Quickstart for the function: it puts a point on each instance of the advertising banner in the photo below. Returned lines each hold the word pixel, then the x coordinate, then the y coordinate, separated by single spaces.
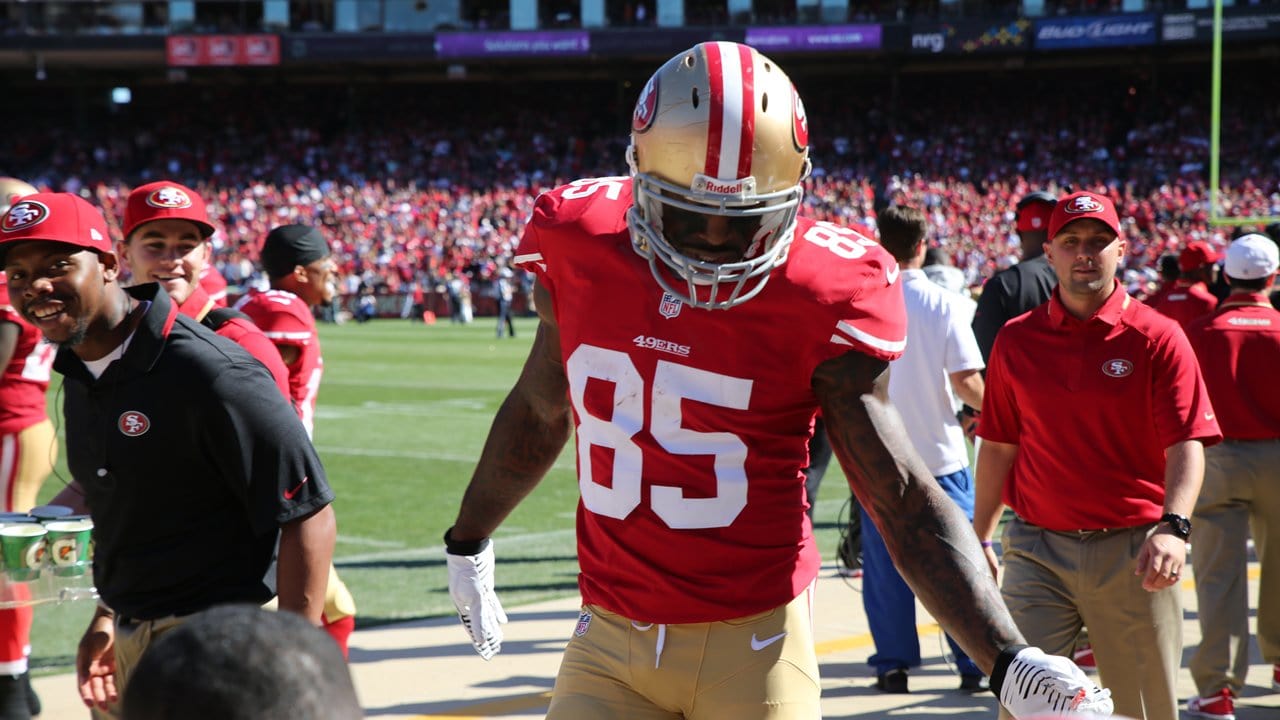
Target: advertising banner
pixel 970 37
pixel 814 38
pixel 1186 27
pixel 222 50
pixel 513 44
pixel 1096 31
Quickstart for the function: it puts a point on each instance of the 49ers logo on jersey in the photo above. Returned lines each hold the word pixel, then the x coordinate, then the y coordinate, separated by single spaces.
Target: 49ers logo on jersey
pixel 169 198
pixel 133 423
pixel 23 215
pixel 1117 368
pixel 646 106
pixel 800 121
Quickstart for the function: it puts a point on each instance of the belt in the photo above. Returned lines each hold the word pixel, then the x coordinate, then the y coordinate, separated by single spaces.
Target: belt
pixel 129 622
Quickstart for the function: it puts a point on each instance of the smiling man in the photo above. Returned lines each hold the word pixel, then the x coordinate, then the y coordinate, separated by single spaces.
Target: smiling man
pixel 1094 424
pixel 196 473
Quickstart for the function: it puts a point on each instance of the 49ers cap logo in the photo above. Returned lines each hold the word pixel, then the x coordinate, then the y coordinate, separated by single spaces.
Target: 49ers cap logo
pixel 1083 204
pixel 646 106
pixel 1117 368
pixel 133 423
pixel 24 214
pixel 169 198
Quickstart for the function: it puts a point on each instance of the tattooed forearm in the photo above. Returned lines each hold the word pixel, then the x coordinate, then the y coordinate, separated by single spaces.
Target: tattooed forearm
pixel 930 540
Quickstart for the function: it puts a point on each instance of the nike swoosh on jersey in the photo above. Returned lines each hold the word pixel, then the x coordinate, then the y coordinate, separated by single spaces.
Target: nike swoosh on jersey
pixel 892 274
pixel 288 494
pixel 758 645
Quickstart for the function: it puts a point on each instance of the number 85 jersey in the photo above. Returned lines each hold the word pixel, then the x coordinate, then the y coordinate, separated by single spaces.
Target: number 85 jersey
pixel 693 425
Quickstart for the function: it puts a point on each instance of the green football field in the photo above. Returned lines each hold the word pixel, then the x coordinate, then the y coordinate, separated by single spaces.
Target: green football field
pixel 403 412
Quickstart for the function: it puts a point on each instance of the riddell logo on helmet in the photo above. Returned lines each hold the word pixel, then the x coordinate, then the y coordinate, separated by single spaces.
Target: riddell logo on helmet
pixel 24 215
pixel 169 198
pixel 1084 204
pixel 743 187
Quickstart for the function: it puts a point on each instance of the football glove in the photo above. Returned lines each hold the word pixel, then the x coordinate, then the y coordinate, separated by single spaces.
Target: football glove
pixel 471 587
pixel 1030 682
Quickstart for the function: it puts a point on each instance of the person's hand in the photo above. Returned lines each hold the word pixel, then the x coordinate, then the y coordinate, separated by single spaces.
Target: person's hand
pixel 993 562
pixel 471 587
pixel 96 662
pixel 1031 683
pixel 968 418
pixel 1161 560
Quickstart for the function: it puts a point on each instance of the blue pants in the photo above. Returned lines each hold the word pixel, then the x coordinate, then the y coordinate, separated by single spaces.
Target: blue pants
pixel 888 601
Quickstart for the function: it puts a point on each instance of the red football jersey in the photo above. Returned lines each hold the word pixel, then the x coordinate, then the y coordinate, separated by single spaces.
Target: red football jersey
pixel 693 425
pixel 213 283
pixel 286 320
pixel 243 333
pixel 26 377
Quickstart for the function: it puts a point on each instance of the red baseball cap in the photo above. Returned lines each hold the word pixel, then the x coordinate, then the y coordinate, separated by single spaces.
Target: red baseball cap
pixel 1196 255
pixel 165 200
pixel 55 217
pixel 1080 206
pixel 1034 210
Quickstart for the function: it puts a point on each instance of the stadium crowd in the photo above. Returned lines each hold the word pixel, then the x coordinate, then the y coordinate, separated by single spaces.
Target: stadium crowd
pixel 421 187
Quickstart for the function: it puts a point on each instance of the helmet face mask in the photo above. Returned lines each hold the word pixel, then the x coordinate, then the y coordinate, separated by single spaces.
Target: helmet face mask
pixel 718 132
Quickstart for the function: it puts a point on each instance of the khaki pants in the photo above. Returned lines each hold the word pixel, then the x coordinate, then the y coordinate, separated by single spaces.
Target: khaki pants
pixel 1055 582
pixel 131 640
pixel 1241 490
pixel 760 667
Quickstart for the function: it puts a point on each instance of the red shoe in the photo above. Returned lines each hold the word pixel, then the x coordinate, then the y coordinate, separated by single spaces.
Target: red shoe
pixel 1084 657
pixel 1215 707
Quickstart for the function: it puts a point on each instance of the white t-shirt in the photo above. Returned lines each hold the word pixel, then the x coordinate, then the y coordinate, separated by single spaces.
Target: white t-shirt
pixel 940 341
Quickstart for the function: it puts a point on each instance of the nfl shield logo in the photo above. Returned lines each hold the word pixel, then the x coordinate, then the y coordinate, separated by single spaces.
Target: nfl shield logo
pixel 670 305
pixel 584 624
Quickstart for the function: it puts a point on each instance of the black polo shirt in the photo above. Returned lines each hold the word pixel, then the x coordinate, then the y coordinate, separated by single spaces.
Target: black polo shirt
pixel 191 460
pixel 1008 294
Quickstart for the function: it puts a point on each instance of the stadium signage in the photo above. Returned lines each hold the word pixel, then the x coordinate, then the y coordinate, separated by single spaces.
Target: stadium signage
pixel 222 50
pixel 1089 32
pixel 1198 26
pixel 970 37
pixel 512 44
pixel 815 38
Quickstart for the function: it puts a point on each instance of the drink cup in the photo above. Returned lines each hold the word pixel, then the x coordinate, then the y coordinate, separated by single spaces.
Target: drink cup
pixel 68 542
pixel 23 546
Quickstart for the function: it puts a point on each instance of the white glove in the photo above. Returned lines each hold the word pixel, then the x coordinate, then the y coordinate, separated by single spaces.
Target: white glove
pixel 471 587
pixel 1035 683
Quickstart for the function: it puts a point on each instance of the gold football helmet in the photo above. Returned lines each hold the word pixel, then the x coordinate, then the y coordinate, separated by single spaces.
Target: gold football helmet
pixel 11 188
pixel 718 130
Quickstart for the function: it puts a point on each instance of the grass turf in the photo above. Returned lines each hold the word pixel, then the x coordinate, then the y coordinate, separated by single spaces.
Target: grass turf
pixel 403 413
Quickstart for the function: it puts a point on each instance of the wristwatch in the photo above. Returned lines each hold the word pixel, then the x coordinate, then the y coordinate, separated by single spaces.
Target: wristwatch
pixel 1179 524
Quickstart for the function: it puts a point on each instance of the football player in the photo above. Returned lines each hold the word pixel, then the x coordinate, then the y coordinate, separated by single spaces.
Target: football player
pixel 28 449
pixel 692 326
pixel 298 261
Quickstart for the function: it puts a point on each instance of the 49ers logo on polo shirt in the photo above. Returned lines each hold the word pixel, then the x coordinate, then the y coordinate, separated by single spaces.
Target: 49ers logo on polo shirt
pixel 169 198
pixel 1117 368
pixel 23 215
pixel 133 423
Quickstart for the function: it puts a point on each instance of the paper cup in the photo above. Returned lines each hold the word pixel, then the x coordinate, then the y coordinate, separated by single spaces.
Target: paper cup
pixel 23 546
pixel 68 542
pixel 46 513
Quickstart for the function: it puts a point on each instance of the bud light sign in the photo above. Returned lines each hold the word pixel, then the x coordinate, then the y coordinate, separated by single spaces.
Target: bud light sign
pixel 1091 32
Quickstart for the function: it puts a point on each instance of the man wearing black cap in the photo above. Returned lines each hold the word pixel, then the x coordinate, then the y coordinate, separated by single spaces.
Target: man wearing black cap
pixel 1015 290
pixel 193 467
pixel 301 269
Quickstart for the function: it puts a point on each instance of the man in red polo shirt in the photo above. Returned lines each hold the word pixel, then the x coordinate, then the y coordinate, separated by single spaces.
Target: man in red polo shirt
pixel 1189 298
pixel 1239 350
pixel 1093 428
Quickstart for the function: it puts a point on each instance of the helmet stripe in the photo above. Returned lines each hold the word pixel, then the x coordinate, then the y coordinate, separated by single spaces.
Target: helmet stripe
pixel 732 122
pixel 747 136
pixel 715 111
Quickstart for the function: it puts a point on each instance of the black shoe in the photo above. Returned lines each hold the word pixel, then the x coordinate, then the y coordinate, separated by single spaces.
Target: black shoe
pixel 974 683
pixel 33 700
pixel 13 698
pixel 893 681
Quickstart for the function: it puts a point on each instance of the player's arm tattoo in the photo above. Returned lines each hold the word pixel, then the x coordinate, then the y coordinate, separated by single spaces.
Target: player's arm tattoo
pixel 529 431
pixel 929 538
